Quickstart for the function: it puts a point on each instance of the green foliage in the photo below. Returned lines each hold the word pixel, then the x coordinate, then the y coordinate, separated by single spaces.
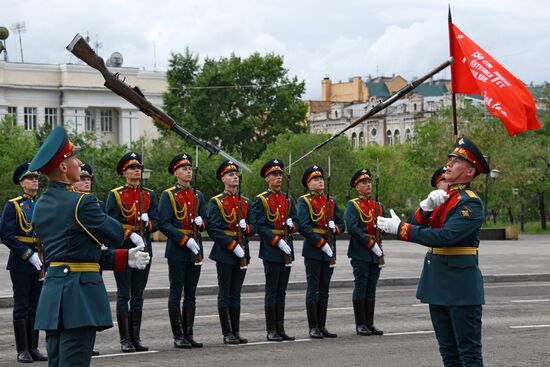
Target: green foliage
pixel 242 104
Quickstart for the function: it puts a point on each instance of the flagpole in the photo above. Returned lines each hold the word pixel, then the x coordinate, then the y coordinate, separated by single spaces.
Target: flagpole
pixel 453 94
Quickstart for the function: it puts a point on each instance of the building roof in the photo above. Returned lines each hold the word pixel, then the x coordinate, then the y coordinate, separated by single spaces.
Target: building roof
pixel 428 90
pixel 377 89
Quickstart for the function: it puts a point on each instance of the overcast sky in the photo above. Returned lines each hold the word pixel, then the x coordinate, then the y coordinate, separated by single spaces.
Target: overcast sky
pixel 339 39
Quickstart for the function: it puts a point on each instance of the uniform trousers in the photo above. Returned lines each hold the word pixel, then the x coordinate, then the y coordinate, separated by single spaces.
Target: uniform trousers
pixel 130 287
pixel 365 276
pixel 230 282
pixel 184 277
pixel 318 274
pixel 276 281
pixel 26 291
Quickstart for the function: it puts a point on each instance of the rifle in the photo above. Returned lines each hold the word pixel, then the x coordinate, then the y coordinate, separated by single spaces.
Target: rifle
pixel 196 203
pixel 240 235
pixel 377 237
pixel 383 104
pixel 329 217
pixel 40 253
pixel 81 49
pixel 287 236
pixel 142 230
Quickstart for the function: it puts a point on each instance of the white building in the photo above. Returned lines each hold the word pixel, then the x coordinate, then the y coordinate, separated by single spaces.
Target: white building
pixel 74 95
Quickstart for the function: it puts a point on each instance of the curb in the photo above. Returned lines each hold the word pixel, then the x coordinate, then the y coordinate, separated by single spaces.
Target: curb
pixel 345 283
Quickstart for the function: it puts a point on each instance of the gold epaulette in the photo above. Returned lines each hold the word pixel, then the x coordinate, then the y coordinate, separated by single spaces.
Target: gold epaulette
pixel 15 199
pixel 471 194
pixel 170 189
pixel 217 196
pixel 261 194
pixel 354 200
pixel 305 196
pixel 117 188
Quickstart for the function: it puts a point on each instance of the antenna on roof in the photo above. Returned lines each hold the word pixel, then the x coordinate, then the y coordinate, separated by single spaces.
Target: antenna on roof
pixel 19 28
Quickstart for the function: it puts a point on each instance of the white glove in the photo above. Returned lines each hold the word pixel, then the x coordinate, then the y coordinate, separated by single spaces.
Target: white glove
pixel 137 258
pixel 332 226
pixel 389 225
pixel 284 246
pixel 35 261
pixel 144 218
pixel 376 249
pixel 434 199
pixel 193 246
pixel 327 250
pixel 289 222
pixel 198 221
pixel 242 224
pixel 238 251
pixel 137 240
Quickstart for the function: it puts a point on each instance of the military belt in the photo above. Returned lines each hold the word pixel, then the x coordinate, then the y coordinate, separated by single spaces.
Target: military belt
pixel 78 267
pixel 320 230
pixel 131 227
pixel 452 251
pixel 278 231
pixel 185 231
pixel 27 239
pixel 230 233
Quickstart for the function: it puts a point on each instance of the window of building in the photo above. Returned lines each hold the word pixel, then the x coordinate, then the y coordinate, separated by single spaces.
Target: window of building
pixel 12 112
pixel 408 136
pixel 51 116
pixel 336 114
pixel 373 132
pixel 353 140
pixel 90 120
pixel 29 117
pixel 389 138
pixel 106 120
pixel 361 139
pixel 396 137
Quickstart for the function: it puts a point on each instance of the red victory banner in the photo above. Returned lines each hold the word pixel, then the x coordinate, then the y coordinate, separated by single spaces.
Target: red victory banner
pixel 476 72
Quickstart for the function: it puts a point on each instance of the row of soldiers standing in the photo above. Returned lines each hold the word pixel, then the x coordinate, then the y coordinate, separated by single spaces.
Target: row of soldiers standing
pixel 229 220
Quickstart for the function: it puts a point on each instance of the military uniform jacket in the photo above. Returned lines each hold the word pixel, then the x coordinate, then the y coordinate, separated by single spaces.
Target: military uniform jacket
pixel 73 228
pixel 449 280
pixel 269 215
pixel 360 215
pixel 313 224
pixel 222 219
pixel 18 234
pixel 176 208
pixel 123 204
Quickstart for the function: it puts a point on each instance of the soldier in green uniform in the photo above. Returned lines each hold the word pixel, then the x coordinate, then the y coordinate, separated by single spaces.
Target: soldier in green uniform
pixel 272 211
pixel 24 263
pixel 73 304
pixel 451 282
pixel 363 251
pixel 179 219
pixel 228 217
pixel 136 208
pixel 315 220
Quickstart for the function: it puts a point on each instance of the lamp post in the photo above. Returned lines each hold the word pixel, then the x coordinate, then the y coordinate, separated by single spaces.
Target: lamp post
pixel 493 174
pixel 146 175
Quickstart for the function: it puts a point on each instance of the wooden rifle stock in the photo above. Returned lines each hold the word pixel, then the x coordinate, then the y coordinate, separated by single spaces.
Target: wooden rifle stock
pixel 40 253
pixel 377 237
pixel 243 264
pixel 330 237
pixel 286 231
pixel 196 203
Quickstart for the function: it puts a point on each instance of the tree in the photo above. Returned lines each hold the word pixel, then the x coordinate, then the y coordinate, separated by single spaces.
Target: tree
pixel 242 104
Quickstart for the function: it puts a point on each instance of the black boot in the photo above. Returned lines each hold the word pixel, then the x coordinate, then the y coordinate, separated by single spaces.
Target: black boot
pixel 228 337
pixel 125 345
pixel 188 313
pixel 32 339
pixel 280 311
pixel 322 317
pixel 359 312
pixel 177 330
pixel 369 316
pixel 95 353
pixel 135 329
pixel 311 310
pixel 235 313
pixel 270 324
pixel 20 332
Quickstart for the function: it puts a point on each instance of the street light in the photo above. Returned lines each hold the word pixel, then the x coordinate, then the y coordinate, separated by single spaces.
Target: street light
pixel 146 175
pixel 493 174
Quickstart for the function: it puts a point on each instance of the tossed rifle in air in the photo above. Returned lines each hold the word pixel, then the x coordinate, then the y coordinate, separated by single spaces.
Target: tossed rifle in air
pixel 377 237
pixel 196 204
pixel 328 217
pixel 287 235
pixel 382 105
pixel 81 49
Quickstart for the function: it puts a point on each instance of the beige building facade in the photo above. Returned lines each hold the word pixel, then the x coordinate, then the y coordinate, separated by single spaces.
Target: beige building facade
pixel 73 95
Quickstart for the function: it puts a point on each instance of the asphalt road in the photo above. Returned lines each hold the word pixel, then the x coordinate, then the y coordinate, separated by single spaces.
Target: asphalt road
pixel 516 329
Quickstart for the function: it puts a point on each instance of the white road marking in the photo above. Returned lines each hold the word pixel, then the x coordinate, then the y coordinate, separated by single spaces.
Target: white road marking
pixel 410 332
pixel 529 326
pixel 340 308
pixel 419 304
pixel 124 354
pixel 266 342
pixel 530 300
